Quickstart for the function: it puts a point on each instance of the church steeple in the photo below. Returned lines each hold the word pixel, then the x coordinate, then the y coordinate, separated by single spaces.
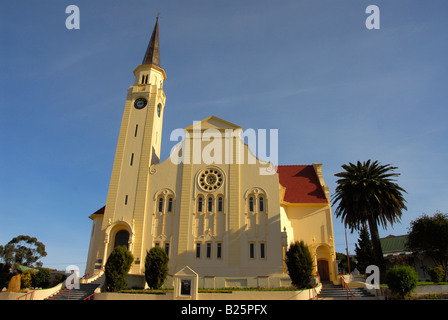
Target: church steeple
pixel 152 55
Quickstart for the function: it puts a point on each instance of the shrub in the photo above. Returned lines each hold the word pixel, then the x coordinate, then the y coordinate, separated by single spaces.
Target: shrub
pixel 41 278
pixel 300 264
pixel 26 279
pixel 156 267
pixel 401 280
pixel 117 267
pixel 437 274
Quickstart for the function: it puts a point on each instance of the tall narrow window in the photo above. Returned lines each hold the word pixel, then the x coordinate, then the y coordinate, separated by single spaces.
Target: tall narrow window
pixel 170 204
pixel 219 250
pixel 252 250
pixel 136 130
pixel 132 159
pixel 126 200
pixel 198 250
pixel 200 204
pixel 209 250
pixel 261 204
pixel 210 204
pixel 220 204
pixel 251 204
pixel 167 249
pixel 262 250
pixel 160 206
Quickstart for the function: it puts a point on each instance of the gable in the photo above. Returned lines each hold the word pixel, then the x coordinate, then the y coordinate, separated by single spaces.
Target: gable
pixel 186 271
pixel 213 122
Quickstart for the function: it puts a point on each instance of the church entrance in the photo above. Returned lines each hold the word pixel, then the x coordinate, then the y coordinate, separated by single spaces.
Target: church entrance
pixel 122 239
pixel 322 269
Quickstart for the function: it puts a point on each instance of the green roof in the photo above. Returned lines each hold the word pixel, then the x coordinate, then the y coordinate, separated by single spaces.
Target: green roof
pixel 394 244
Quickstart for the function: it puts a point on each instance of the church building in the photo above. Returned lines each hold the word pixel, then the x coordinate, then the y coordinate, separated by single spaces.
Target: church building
pixel 230 218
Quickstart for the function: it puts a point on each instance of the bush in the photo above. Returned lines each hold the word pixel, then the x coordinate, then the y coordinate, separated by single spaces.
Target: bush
pixel 117 267
pixel 300 264
pixel 26 279
pixel 156 267
pixel 401 280
pixel 437 274
pixel 41 278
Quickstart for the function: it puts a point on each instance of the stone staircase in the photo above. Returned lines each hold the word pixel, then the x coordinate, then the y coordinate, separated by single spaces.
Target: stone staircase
pixel 85 290
pixel 333 292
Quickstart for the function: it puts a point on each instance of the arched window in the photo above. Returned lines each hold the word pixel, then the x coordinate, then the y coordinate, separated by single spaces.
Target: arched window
pixel 251 204
pixel 160 205
pixel 122 239
pixel 200 200
pixel 170 205
pixel 210 204
pixel 220 204
pixel 261 204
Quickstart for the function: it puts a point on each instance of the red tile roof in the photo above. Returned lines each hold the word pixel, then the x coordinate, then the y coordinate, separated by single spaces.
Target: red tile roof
pixel 301 183
pixel 100 211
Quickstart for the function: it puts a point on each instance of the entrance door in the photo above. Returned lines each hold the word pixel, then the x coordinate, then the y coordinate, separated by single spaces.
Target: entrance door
pixel 122 239
pixel 322 268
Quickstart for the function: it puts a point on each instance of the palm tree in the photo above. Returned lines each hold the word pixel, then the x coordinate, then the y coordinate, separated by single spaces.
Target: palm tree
pixel 366 192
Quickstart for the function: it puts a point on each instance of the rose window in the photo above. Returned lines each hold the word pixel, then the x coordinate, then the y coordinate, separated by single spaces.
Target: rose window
pixel 210 179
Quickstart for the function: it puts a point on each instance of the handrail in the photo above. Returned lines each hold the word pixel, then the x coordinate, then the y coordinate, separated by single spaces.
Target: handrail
pixel 346 287
pixel 69 288
pixel 315 293
pixel 79 281
pixel 26 294
pixel 87 276
pixel 89 297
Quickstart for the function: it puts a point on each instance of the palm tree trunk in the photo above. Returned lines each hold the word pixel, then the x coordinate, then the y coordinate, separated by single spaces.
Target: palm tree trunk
pixel 378 252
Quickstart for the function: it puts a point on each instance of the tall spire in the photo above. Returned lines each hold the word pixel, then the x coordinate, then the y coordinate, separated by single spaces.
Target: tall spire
pixel 152 55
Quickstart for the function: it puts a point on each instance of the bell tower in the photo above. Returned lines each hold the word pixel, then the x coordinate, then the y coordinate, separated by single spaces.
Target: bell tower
pixel 138 147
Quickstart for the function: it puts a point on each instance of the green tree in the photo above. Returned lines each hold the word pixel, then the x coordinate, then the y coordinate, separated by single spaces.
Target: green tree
pixel 41 278
pixel 300 264
pixel 401 280
pixel 364 251
pixel 24 250
pixel 429 236
pixel 366 192
pixel 117 268
pixel 343 263
pixel 156 267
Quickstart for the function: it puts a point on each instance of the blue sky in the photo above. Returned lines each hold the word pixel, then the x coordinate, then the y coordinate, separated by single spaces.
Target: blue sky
pixel 336 91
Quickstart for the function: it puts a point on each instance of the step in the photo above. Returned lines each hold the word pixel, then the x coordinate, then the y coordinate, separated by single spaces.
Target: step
pixel 83 292
pixel 333 291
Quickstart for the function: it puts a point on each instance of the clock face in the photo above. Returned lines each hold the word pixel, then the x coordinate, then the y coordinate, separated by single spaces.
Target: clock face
pixel 140 103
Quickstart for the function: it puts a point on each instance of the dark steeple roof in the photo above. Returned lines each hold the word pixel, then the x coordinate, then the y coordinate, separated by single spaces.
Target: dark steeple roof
pixel 152 55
